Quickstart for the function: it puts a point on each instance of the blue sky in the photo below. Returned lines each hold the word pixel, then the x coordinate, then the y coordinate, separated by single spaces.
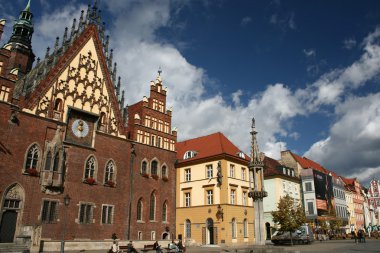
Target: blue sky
pixel 307 70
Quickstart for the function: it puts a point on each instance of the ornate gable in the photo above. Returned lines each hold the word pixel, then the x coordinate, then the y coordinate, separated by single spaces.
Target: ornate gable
pixel 80 80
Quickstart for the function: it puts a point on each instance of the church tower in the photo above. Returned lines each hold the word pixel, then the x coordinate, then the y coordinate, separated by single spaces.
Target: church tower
pixel 20 44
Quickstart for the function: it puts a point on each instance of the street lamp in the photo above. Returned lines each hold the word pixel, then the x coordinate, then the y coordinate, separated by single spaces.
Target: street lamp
pixel 66 201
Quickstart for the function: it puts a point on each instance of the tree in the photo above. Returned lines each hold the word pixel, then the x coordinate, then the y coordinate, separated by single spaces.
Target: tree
pixel 289 215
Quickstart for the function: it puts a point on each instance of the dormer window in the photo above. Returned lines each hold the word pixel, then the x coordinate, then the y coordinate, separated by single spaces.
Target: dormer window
pixel 189 154
pixel 241 154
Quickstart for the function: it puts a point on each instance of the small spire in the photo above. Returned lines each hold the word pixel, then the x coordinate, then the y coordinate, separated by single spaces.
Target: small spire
pixel 256 158
pixel 159 71
pixel 88 14
pixel 102 32
pixel 56 44
pixel 81 20
pixel 110 59
pixel 47 52
pixel 27 8
pixel 73 28
pixel 118 87
pixel 64 36
pixel 106 45
pixel 122 99
pixel 114 73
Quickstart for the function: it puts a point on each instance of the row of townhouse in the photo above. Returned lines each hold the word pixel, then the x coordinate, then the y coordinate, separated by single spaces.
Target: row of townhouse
pixel 323 194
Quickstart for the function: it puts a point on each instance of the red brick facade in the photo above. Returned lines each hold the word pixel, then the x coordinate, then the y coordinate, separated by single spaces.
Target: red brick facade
pixel 97 209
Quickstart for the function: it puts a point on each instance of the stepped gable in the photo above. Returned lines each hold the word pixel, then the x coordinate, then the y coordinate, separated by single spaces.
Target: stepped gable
pixel 81 68
pixel 208 146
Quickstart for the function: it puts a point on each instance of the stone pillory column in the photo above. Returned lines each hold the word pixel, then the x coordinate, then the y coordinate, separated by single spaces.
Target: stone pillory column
pixel 257 192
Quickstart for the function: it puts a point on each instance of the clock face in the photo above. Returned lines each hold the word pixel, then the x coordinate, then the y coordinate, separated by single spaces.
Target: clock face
pixel 80 128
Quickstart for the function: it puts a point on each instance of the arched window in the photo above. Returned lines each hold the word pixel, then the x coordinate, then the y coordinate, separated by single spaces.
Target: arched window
pixel 90 168
pixel 188 228
pixel 56 162
pixel 152 208
pixel 245 224
pixel 153 169
pixel 48 161
pixel 233 228
pixel 139 210
pixel 32 157
pixel 164 171
pixel 110 172
pixel 164 212
pixel 144 167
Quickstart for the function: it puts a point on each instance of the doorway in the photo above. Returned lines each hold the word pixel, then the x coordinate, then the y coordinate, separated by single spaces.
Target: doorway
pixel 10 212
pixel 8 226
pixel 210 231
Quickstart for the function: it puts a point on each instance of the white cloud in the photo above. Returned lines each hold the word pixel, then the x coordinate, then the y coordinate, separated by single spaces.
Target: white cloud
pixel 353 144
pixel 349 43
pixel 245 21
pixel 309 52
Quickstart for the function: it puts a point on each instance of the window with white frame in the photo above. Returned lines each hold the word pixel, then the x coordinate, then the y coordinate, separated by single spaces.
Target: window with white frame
pixel 308 186
pixel 85 213
pixel 232 170
pixel 187 228
pixel 153 235
pixel 244 198
pixel 233 228
pixel 243 176
pixel 233 193
pixel 139 210
pixel 209 171
pixel 49 211
pixel 187 199
pixel 245 228
pixel 210 198
pixel 90 168
pixel 32 157
pixel 107 214
pixel 187 175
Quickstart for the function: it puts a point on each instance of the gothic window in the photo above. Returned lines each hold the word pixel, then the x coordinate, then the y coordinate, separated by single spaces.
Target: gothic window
pixel 164 171
pixel 152 208
pixel 233 228
pixel 144 165
pixel 139 210
pixel 32 157
pixel 90 168
pixel 56 162
pixel 107 214
pixel 153 169
pixel 164 212
pixel 188 228
pixel 85 213
pixel 49 211
pixel 110 173
pixel 48 161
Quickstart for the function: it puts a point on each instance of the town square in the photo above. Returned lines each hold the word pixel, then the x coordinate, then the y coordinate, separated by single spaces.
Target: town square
pixel 125 126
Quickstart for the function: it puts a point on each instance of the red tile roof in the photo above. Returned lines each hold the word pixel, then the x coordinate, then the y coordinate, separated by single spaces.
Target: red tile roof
pixel 208 146
pixel 270 167
pixel 307 163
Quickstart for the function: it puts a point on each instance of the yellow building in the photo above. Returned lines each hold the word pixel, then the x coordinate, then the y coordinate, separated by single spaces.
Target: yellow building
pixel 213 186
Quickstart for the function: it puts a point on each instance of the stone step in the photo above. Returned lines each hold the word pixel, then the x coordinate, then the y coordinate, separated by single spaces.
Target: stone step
pixel 13 248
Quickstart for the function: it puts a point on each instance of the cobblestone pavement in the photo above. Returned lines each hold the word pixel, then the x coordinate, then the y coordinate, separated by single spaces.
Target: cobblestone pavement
pixel 333 246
